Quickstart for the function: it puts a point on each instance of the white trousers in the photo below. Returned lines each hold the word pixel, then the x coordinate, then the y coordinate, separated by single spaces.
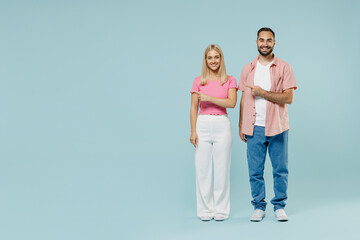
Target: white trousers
pixel 212 165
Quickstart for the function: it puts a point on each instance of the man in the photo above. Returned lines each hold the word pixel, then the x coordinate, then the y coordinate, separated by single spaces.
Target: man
pixel 267 84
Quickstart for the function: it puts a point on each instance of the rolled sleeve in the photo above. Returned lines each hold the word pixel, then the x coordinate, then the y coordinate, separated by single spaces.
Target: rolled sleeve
pixel 196 85
pixel 242 81
pixel 232 82
pixel 289 78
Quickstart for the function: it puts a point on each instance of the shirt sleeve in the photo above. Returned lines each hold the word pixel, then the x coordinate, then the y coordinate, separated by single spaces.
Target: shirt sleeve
pixel 196 85
pixel 242 81
pixel 289 78
pixel 232 82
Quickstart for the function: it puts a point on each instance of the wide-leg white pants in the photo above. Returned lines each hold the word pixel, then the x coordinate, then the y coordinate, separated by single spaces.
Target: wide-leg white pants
pixel 212 165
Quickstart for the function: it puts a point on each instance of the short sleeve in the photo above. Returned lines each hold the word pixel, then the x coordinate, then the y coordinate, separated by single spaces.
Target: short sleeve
pixel 196 85
pixel 232 82
pixel 289 78
pixel 242 81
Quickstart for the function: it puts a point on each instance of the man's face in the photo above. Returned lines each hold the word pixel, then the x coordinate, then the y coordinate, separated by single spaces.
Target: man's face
pixel 265 43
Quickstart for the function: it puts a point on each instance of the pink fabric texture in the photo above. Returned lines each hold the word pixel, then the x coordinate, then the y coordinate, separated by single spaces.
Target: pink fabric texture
pixel 277 118
pixel 214 89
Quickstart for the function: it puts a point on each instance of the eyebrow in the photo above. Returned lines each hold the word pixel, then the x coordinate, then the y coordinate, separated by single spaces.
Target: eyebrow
pixel 266 39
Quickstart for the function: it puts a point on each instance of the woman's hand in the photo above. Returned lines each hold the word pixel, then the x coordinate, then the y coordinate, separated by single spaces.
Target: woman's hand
pixel 194 139
pixel 203 97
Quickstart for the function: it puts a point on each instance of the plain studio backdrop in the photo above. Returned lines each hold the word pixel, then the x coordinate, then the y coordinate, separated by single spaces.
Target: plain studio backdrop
pixel 94 126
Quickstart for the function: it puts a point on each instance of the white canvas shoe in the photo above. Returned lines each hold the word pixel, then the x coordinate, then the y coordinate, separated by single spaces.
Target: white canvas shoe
pixel 257 216
pixel 281 215
pixel 219 217
pixel 205 218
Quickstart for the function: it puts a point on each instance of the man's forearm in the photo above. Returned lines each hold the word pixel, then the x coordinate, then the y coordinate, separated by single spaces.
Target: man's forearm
pixel 285 97
pixel 241 110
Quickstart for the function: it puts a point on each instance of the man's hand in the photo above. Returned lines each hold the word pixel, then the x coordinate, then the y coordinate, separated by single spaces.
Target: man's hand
pixel 242 136
pixel 284 97
pixel 256 91
pixel 203 97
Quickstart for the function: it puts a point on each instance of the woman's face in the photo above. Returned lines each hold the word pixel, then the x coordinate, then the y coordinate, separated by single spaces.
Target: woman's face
pixel 213 60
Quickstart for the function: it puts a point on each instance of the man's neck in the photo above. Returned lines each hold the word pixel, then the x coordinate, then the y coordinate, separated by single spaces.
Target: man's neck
pixel 265 60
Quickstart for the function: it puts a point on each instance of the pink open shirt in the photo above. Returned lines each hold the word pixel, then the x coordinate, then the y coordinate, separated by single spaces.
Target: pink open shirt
pixel 214 89
pixel 277 119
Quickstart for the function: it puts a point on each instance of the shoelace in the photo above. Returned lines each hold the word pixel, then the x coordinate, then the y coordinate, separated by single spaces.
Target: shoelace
pixel 280 214
pixel 258 213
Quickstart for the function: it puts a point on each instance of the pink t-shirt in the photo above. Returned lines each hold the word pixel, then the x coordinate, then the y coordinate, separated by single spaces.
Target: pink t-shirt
pixel 214 89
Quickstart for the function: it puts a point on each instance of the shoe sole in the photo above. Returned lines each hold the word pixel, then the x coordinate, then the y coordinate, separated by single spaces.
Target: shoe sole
pixel 282 219
pixel 257 219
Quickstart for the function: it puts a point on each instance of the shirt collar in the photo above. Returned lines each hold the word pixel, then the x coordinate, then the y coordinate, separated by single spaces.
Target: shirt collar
pixel 275 61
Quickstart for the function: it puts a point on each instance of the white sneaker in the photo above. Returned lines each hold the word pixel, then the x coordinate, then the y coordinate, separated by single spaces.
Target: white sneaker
pixel 205 218
pixel 281 215
pixel 219 217
pixel 257 216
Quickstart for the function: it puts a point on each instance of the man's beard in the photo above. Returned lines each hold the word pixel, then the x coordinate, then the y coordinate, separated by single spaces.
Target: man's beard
pixel 265 54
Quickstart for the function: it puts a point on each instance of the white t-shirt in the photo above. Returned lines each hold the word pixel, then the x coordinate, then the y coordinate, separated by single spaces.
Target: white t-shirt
pixel 261 79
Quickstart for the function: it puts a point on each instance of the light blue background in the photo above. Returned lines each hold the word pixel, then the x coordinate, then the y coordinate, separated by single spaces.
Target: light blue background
pixel 94 137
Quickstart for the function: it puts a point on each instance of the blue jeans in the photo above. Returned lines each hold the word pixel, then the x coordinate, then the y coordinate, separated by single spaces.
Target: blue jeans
pixel 256 153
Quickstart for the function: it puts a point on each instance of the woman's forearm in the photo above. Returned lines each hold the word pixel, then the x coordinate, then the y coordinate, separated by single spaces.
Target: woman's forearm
pixel 229 102
pixel 193 118
pixel 194 111
pixel 223 102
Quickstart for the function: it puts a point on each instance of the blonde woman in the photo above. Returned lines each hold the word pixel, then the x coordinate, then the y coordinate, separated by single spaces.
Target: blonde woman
pixel 211 135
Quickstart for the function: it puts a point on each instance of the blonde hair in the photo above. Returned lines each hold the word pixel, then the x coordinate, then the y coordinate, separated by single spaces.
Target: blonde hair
pixel 205 69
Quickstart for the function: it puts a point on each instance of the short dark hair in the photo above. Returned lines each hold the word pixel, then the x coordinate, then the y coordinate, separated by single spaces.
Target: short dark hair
pixel 265 29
